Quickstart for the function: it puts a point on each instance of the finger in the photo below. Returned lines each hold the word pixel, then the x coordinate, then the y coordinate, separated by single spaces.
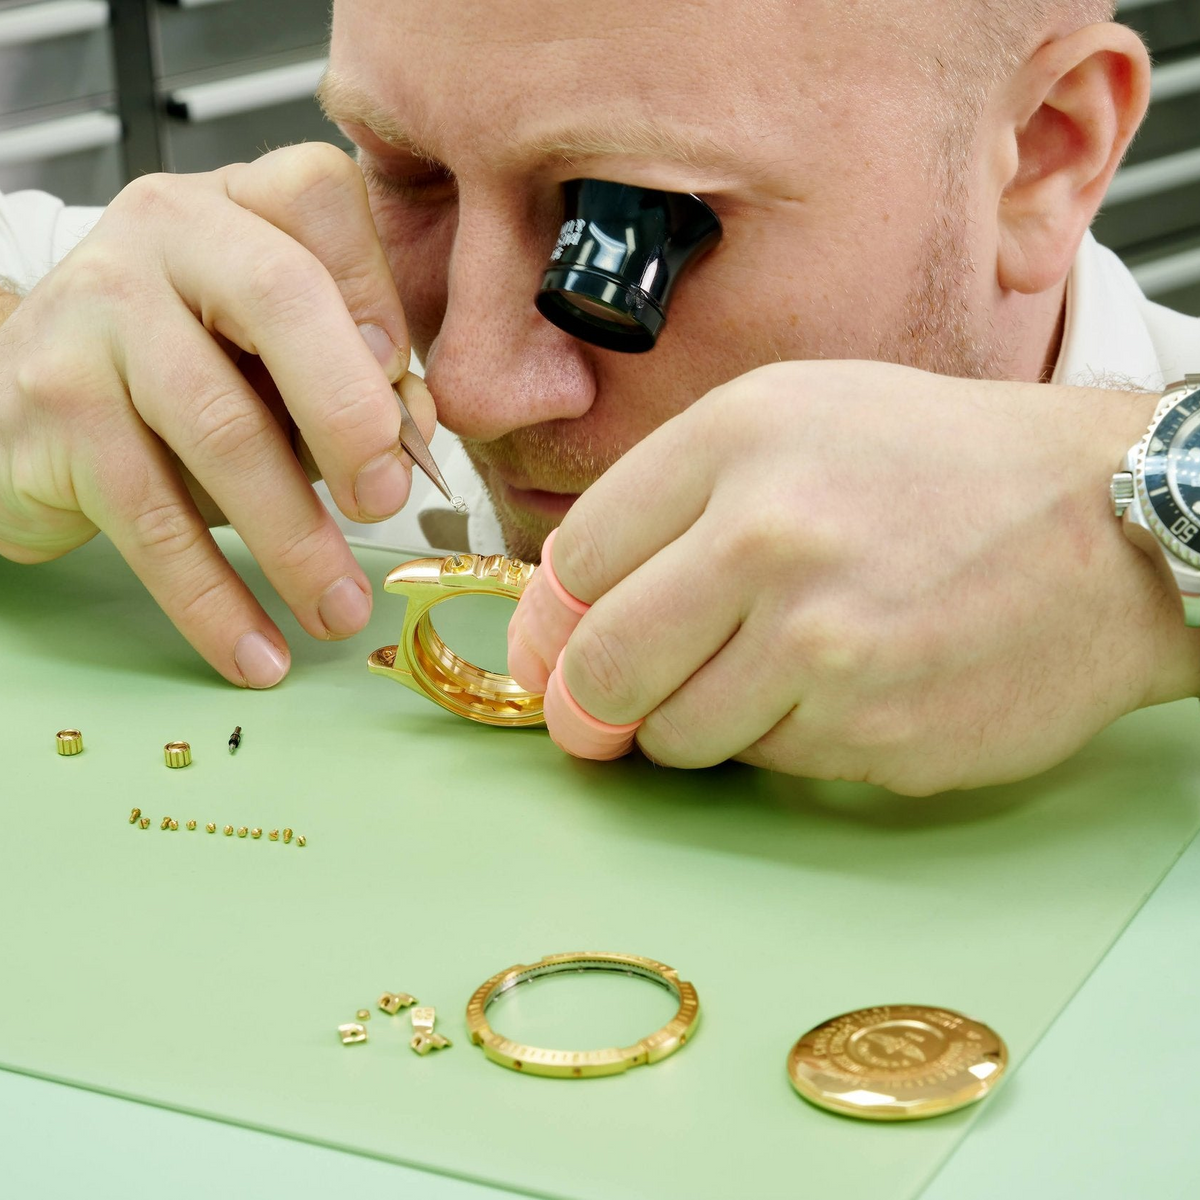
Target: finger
pixel 578 732
pixel 131 492
pixel 285 307
pixel 315 193
pixel 728 703
pixel 646 637
pixel 198 403
pixel 545 617
pixel 643 502
pixel 415 393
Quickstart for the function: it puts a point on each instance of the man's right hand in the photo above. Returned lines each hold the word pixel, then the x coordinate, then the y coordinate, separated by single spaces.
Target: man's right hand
pixel 214 342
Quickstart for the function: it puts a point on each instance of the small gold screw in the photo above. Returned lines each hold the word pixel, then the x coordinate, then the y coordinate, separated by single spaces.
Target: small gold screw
pixel 242 831
pixel 166 823
pixel 301 840
pixel 274 835
pixel 174 823
pixel 191 824
pixel 228 831
pixel 363 1014
pixel 287 835
pixel 211 827
pixel 133 816
pixel 144 823
pixel 256 832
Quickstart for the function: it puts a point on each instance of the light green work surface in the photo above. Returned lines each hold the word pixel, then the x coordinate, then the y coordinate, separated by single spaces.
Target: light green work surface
pixel 208 974
pixel 1106 1106
pixel 1100 1109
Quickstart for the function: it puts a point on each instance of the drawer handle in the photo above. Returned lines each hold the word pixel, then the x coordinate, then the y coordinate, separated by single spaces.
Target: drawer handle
pixel 1150 178
pixel 63 135
pixel 1168 274
pixel 1175 79
pixel 245 93
pixel 192 3
pixel 59 18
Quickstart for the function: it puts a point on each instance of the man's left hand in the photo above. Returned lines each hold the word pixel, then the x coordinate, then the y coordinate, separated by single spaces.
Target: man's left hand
pixel 862 571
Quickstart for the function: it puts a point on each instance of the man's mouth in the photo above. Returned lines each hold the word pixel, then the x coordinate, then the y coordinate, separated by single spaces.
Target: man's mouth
pixel 536 500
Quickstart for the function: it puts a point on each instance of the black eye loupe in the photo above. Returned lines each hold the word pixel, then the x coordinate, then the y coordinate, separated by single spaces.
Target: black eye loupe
pixel 619 253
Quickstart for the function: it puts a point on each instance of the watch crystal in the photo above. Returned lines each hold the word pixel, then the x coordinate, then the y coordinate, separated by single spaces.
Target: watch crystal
pixel 1171 476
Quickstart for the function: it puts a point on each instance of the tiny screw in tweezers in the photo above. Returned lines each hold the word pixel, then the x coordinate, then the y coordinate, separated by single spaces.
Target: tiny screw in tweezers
pixel 235 739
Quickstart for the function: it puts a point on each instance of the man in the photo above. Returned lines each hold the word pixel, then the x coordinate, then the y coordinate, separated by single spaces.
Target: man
pixel 828 567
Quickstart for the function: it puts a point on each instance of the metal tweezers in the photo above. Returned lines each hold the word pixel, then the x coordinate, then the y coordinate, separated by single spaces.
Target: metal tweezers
pixel 418 448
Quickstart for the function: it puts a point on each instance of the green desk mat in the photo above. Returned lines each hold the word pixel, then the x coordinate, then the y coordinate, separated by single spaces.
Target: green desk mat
pixel 208 974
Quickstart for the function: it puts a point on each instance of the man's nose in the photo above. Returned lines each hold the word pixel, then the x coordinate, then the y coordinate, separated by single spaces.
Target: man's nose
pixel 497 364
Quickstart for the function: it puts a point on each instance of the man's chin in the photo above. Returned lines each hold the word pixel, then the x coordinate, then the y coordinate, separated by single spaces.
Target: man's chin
pixel 524 529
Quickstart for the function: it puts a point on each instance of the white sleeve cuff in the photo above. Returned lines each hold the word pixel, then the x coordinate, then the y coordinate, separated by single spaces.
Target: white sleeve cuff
pixel 38 230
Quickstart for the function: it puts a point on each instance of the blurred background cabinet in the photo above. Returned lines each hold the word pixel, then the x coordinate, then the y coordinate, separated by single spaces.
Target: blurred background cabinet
pixel 96 92
pixel 1151 215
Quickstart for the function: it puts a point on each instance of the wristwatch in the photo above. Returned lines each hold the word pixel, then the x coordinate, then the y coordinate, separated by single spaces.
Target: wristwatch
pixel 1157 491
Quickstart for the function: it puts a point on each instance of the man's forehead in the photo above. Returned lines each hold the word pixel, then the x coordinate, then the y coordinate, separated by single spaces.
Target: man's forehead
pixel 558 139
pixel 692 82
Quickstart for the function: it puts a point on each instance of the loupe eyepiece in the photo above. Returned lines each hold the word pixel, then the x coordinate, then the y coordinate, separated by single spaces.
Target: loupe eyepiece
pixel 619 253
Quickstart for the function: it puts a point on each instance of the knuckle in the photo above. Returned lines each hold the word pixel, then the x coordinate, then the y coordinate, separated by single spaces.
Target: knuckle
pixel 604 659
pixel 827 648
pixel 353 408
pixel 94 276
pixel 149 196
pixel 578 558
pixel 227 427
pixel 168 528
pixel 313 173
pixel 297 552
pixel 200 603
pixel 670 743
pixel 282 283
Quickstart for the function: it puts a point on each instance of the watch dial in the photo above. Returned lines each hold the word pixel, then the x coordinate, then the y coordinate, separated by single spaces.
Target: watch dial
pixel 1172 472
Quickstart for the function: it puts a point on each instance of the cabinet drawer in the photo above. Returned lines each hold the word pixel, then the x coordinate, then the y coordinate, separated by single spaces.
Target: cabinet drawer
pixel 54 53
pixel 191 36
pixel 1172 274
pixel 1174 118
pixel 77 157
pixel 1167 25
pixel 1152 201
pixel 238 118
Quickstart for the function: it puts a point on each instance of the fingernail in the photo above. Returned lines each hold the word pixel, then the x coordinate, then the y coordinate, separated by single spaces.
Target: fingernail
pixel 385 350
pixel 382 487
pixel 343 607
pixel 261 664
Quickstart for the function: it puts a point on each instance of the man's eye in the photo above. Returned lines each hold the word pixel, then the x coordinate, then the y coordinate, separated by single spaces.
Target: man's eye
pixel 435 183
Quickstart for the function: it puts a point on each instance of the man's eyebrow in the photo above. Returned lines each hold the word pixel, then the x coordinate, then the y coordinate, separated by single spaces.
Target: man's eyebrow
pixel 343 101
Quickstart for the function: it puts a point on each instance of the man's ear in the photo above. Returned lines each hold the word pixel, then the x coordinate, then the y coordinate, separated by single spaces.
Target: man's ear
pixel 1067 117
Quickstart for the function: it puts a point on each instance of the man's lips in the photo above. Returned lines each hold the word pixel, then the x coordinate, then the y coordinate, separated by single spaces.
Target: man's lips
pixel 547 504
pixel 516 490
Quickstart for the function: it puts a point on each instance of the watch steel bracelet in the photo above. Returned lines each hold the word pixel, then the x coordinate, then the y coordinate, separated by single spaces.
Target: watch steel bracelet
pixel 577 1064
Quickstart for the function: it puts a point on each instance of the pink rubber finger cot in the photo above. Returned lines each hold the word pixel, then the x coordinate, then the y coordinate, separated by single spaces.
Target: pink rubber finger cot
pixel 546 616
